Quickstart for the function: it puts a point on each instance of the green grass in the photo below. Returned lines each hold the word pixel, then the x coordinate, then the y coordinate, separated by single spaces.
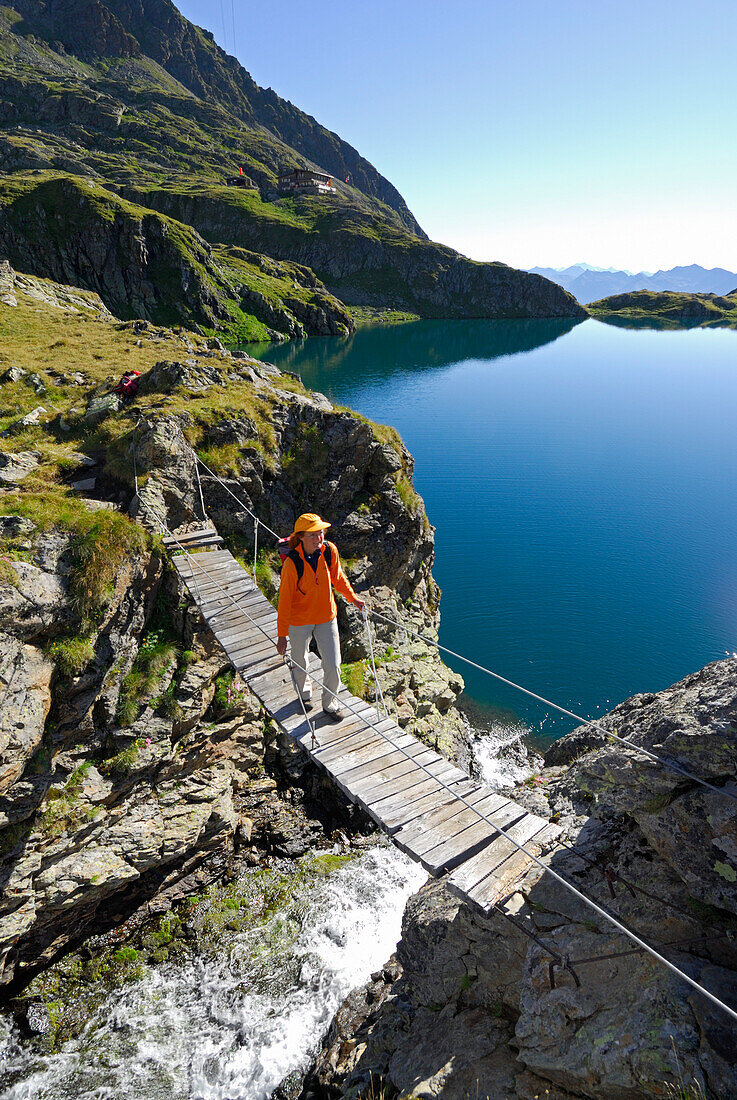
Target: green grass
pixel 100 549
pixel 411 500
pixel 354 676
pixel 103 542
pixel 156 655
pixel 71 655
pixel 373 315
pixel 8 575
pixel 123 762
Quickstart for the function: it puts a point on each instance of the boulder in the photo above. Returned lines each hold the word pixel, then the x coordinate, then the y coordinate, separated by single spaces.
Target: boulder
pixel 14 468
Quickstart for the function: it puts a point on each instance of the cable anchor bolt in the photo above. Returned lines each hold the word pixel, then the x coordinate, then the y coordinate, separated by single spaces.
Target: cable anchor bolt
pixel 563 964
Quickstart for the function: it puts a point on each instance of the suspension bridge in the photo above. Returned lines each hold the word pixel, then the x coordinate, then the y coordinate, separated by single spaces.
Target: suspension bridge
pixel 483 842
pixel 429 807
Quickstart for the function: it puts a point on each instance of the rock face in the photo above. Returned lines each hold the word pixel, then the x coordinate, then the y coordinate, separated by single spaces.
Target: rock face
pixel 467 1005
pixel 363 265
pixel 131 765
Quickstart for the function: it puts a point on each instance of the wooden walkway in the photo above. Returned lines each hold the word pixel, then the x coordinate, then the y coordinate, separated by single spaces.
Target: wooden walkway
pixel 410 791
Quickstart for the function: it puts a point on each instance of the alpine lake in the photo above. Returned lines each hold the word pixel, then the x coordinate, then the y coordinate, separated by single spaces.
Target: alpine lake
pixel 582 480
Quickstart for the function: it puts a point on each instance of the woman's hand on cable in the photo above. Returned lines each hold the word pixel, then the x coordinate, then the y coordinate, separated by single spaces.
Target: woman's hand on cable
pixel 360 604
pixel 281 646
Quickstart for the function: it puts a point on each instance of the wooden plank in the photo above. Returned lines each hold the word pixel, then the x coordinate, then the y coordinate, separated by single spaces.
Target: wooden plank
pixel 477 870
pixel 207 559
pixel 337 741
pixel 362 742
pixel 398 778
pixel 450 833
pixel 413 808
pixel 178 546
pixel 502 882
pixel 234 633
pixel 424 787
pixel 264 626
pixel 422 784
pixel 211 555
pixel 236 639
pixel 227 607
pixel 459 844
pixel 196 533
pixel 232 583
pixel 365 737
pixel 194 544
pixel 379 732
pixel 208 575
pixel 234 619
pixel 362 762
pixel 379 760
pixel 208 579
pixel 245 655
pixel 250 642
pixel 223 587
pixel 484 800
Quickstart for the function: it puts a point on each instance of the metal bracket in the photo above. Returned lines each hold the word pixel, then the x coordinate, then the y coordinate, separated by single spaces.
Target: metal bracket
pixel 564 964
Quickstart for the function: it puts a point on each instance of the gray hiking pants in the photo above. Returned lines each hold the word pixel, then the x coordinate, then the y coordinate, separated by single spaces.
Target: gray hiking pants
pixel 328 644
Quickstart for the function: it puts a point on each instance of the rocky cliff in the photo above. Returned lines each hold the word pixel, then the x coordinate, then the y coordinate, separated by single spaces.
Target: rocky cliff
pixel 144 264
pixel 133 769
pixel 467 1006
pixel 128 94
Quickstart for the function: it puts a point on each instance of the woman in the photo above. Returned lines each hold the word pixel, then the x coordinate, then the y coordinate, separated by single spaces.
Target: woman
pixel 307 607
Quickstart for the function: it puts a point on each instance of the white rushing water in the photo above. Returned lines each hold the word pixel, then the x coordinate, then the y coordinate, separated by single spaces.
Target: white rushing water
pixel 500 755
pixel 231 1025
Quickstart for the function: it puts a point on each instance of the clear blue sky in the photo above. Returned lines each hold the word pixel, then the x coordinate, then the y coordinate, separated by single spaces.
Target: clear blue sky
pixel 538 132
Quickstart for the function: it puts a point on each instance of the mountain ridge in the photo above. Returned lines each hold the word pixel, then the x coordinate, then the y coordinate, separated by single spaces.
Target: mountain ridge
pixel 589 284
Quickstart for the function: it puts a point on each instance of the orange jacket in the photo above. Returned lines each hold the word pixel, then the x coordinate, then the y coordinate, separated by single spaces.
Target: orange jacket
pixel 312 601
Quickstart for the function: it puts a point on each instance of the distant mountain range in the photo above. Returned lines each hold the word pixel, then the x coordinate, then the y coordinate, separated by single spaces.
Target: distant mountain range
pixel 588 283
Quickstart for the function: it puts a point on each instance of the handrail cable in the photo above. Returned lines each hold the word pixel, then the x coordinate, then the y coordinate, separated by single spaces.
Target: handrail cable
pixel 664 761
pixel 461 798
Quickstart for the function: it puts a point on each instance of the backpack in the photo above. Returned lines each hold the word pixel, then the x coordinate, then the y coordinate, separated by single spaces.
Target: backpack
pixel 284 553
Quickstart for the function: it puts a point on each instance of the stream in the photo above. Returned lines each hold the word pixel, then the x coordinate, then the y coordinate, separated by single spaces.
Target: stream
pixel 233 1021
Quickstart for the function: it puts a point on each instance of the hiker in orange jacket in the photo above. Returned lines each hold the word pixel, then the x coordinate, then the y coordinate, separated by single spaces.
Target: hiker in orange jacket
pixel 307 607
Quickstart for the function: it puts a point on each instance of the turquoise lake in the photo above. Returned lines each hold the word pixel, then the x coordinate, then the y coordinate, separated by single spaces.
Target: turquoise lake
pixel 583 484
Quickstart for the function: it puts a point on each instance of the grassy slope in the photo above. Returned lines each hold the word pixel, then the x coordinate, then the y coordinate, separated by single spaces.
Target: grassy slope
pixel 55 344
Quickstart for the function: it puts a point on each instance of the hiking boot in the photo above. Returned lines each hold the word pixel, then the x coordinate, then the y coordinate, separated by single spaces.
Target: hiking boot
pixel 334 712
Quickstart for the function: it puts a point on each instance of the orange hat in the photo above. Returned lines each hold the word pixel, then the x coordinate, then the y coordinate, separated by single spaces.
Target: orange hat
pixel 307 523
